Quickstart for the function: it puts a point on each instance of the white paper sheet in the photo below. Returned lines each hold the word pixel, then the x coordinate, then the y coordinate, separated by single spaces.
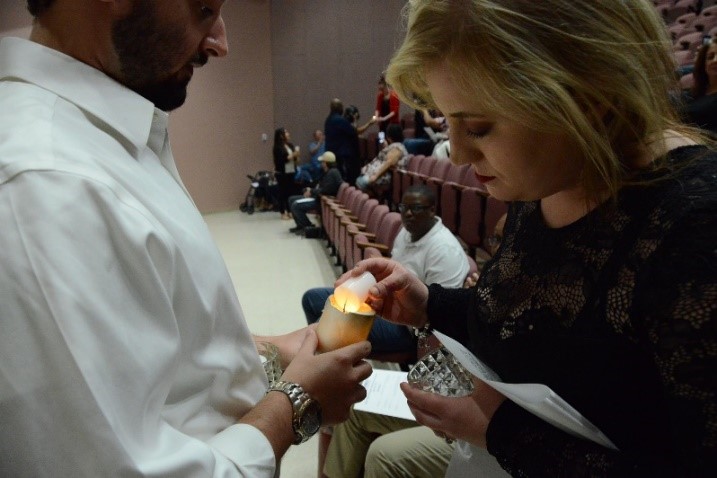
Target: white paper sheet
pixel 384 396
pixel 536 398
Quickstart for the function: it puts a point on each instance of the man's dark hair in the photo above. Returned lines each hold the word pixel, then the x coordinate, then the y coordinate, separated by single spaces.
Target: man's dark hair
pixel 351 113
pixel 423 190
pixel 394 132
pixel 38 7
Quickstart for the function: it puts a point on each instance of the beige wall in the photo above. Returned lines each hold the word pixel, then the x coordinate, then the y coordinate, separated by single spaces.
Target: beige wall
pixel 287 60
pixel 216 135
pixel 323 49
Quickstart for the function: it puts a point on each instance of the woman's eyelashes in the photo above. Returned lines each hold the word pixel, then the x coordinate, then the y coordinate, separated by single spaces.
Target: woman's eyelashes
pixel 478 132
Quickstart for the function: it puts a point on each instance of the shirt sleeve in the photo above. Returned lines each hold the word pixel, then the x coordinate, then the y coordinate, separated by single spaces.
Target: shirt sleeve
pixel 447 310
pixel 90 345
pixel 446 266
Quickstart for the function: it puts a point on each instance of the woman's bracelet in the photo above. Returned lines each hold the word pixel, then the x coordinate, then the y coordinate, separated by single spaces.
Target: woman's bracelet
pixel 422 334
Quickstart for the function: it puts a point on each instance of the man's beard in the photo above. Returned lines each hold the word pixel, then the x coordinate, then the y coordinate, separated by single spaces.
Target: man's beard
pixel 149 54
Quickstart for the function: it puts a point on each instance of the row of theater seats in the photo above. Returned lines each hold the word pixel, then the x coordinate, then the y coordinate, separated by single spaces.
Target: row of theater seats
pixel 464 205
pixel 688 22
pixel 358 227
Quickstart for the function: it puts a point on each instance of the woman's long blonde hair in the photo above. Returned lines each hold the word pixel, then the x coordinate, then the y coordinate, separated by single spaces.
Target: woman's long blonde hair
pixel 600 70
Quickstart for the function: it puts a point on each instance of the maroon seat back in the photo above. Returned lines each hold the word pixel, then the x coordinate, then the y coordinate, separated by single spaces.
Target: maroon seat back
pixel 397 180
pixel 450 197
pixel 471 210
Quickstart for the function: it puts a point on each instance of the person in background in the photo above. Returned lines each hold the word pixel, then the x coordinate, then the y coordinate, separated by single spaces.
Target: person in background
pixel 285 157
pixel 385 446
pixel 423 245
pixel 342 140
pixel 701 107
pixel 124 349
pixel 353 115
pixel 421 143
pixel 329 184
pixel 316 149
pixel 388 106
pixel 375 177
pixel 604 286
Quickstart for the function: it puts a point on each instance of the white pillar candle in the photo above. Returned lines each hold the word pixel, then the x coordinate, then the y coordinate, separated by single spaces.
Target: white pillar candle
pixel 338 328
pixel 352 293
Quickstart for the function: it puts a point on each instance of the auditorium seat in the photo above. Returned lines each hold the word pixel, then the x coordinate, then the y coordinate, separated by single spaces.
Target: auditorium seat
pixel 706 20
pixel 471 210
pixel 437 178
pixel 345 238
pixel 367 234
pixel 382 244
pixel 396 181
pixel 450 196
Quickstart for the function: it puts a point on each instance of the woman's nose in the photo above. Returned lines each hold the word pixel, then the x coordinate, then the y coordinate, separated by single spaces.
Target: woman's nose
pixel 215 43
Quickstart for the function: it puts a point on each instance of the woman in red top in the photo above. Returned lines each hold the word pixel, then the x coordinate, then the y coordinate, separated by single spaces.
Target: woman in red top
pixel 387 105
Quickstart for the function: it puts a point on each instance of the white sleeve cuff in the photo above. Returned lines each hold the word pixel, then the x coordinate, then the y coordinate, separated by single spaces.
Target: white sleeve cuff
pixel 248 448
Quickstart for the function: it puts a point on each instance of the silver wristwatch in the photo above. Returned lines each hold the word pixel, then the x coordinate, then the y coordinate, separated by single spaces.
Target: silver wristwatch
pixel 307 411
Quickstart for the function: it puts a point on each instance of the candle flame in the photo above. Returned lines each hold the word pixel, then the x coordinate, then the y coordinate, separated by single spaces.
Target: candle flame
pixel 351 303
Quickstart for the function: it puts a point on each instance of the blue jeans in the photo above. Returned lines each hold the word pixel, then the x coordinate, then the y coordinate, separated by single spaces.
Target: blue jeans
pixel 299 206
pixel 385 336
pixel 419 146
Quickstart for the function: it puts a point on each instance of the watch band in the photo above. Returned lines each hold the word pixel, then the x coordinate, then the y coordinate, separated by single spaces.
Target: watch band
pixel 300 403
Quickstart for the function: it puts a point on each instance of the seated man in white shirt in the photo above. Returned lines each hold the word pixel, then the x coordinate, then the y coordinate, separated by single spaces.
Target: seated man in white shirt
pixel 124 350
pixel 428 249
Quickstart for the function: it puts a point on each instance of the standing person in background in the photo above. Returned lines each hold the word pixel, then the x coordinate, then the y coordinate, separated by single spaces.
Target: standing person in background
pixel 316 149
pixel 123 347
pixel 701 107
pixel 342 140
pixel 285 157
pixel 353 115
pixel 605 282
pixel 388 105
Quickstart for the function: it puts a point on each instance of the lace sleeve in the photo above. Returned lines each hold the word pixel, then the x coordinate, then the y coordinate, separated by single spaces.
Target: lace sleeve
pixel 448 310
pixel 673 317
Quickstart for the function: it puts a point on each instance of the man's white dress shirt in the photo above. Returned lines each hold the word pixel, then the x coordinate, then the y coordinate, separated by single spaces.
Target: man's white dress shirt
pixel 123 348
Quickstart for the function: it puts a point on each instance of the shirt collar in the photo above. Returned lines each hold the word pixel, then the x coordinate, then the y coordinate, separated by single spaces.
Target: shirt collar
pixel 431 232
pixel 123 110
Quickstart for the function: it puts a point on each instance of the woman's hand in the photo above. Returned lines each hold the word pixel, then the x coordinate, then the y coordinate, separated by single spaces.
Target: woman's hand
pixel 471 280
pixel 464 418
pixel 398 296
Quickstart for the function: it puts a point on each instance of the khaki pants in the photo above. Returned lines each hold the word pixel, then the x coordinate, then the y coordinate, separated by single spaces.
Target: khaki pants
pixel 384 447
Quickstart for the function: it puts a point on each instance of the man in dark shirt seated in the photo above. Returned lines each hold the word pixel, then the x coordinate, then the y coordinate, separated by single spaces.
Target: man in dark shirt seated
pixel 329 184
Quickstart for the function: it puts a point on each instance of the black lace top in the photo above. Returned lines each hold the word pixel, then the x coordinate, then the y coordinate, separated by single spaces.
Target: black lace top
pixel 617 313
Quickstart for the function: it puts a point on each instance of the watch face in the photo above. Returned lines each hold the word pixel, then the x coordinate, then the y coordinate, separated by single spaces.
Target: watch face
pixel 311 419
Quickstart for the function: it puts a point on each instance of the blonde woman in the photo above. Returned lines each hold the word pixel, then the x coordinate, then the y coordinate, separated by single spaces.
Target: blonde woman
pixel 605 285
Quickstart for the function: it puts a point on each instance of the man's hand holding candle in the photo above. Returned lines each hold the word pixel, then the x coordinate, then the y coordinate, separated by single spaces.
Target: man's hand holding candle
pixel 346 318
pixel 398 295
pixel 332 378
